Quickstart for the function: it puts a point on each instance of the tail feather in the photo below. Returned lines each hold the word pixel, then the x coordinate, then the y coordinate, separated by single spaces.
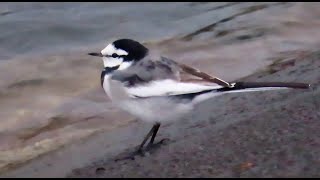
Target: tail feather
pixel 252 89
pixel 247 87
pixel 264 85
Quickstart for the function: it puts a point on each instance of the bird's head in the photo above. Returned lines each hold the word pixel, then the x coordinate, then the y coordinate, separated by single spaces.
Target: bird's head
pixel 121 54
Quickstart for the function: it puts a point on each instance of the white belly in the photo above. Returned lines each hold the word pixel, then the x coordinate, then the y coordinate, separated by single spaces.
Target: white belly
pixel 155 109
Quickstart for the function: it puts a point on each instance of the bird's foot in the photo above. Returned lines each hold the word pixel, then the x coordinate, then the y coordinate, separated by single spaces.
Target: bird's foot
pixel 151 147
pixel 131 155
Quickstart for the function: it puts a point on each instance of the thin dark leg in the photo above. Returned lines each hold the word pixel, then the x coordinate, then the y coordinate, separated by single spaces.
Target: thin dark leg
pixel 155 131
pixel 147 136
pixel 150 146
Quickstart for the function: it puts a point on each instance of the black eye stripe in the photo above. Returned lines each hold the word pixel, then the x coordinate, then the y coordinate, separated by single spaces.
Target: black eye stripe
pixel 114 55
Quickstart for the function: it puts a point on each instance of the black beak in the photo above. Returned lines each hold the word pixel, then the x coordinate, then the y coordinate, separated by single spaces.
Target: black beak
pixel 95 54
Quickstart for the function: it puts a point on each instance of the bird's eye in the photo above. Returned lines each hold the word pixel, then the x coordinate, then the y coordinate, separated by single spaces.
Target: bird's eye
pixel 114 55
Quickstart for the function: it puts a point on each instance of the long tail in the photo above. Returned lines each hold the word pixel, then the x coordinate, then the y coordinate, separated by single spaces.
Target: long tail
pixel 246 87
pixel 262 86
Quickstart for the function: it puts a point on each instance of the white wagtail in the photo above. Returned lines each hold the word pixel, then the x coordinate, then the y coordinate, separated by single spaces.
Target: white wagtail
pixel 156 89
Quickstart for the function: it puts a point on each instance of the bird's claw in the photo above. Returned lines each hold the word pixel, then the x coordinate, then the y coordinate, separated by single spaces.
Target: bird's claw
pixel 142 152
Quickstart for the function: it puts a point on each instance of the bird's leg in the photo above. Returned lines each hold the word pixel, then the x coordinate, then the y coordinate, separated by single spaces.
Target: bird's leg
pixel 140 150
pixel 151 132
pixel 155 131
pixel 151 144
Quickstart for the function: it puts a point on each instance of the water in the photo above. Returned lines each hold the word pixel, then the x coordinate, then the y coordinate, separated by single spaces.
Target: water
pixel 34 28
pixel 40 27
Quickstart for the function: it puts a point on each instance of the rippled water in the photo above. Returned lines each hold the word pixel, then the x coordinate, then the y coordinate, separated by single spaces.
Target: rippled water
pixel 37 27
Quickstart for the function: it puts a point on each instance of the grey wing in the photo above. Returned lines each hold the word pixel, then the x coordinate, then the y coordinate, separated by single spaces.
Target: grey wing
pixel 147 70
pixel 148 78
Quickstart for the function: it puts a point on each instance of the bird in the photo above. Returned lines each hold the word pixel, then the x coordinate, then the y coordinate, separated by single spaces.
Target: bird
pixel 156 89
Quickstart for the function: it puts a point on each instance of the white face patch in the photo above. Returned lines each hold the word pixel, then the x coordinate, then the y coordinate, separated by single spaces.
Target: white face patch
pixel 110 49
pixel 114 61
pixel 111 62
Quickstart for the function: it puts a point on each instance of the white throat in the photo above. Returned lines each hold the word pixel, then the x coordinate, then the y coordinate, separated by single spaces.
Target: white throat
pixel 110 62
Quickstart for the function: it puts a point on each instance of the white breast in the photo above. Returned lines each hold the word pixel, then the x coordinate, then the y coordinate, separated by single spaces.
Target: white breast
pixel 114 89
pixel 106 85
